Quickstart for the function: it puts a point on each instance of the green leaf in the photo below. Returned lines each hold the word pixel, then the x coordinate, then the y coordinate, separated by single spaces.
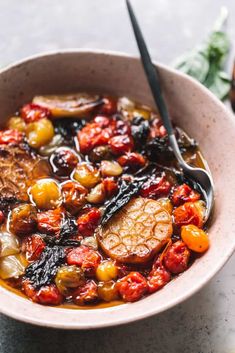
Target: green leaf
pixel 218 47
pixel 220 85
pixel 205 63
pixel 194 64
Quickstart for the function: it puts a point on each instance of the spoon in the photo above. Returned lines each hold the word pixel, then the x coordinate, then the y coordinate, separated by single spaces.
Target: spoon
pixel 201 177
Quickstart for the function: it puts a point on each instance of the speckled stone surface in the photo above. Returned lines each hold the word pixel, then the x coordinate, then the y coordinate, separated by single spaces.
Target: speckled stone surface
pixel 206 322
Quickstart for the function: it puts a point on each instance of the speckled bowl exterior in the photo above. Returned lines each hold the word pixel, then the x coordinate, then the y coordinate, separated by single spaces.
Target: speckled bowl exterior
pixel 192 107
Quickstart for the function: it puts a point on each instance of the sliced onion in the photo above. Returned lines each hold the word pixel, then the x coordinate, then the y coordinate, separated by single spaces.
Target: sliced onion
pixel 12 266
pixel 9 244
pixel 67 105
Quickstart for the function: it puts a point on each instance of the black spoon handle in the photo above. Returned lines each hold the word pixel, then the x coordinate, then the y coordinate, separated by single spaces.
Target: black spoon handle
pixel 151 72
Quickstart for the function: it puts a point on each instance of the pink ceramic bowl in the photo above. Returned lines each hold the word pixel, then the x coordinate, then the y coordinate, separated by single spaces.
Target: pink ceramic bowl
pixel 192 107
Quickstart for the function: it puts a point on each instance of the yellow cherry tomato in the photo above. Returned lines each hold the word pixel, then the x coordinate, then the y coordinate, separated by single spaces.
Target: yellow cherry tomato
pixel 106 271
pixel 17 123
pixel 46 194
pixel 39 133
pixel 86 175
pixel 195 239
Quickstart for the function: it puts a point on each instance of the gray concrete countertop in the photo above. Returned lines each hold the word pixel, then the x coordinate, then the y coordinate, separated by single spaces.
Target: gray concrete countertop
pixel 206 322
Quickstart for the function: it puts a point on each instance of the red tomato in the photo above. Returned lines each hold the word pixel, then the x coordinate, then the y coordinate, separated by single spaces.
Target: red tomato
pixel 47 295
pixel 88 221
pixel 29 290
pixel 2 217
pixel 158 277
pixel 33 247
pixel 87 258
pixel 102 121
pixel 50 221
pixel 132 287
pixel 110 186
pixel 157 129
pixel 33 112
pixel 88 293
pixel 77 255
pixel 132 159
pixel 10 136
pixel 121 143
pixel 155 188
pixel 184 193
pixel 188 213
pixel 109 107
pixel 177 257
pixel 93 135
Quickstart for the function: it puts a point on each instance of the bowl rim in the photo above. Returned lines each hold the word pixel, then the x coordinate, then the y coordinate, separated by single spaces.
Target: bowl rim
pixel 112 320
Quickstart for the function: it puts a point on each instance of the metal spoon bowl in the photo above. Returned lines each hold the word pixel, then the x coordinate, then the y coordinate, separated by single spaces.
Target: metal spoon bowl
pixel 199 176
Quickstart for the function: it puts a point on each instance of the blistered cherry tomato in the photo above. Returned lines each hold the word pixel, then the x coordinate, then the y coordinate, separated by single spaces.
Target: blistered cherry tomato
pixel 177 257
pixel 69 277
pixel 33 112
pixel 88 221
pixel 23 219
pixel 188 213
pixel 2 217
pixel 47 295
pixel 88 293
pixel 155 188
pixel 29 290
pixel 33 246
pixel 110 186
pixel 107 291
pixel 184 193
pixel 106 271
pixel 87 258
pixel 121 144
pixel 109 107
pixel 196 239
pixel 93 135
pixel 158 277
pixel 10 137
pixel 40 133
pixel 46 194
pixel 157 129
pixel 73 195
pixel 63 161
pixel 132 287
pixel 132 160
pixel 110 168
pixel 86 175
pixel 102 120
pixel 49 222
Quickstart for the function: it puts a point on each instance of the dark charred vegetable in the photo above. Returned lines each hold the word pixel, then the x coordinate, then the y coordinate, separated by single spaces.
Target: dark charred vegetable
pixel 127 189
pixel 158 149
pixel 69 227
pixel 139 130
pixel 43 271
pixel 68 127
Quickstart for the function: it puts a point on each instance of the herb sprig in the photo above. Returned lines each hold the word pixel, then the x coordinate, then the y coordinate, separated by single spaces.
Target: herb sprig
pixel 205 62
